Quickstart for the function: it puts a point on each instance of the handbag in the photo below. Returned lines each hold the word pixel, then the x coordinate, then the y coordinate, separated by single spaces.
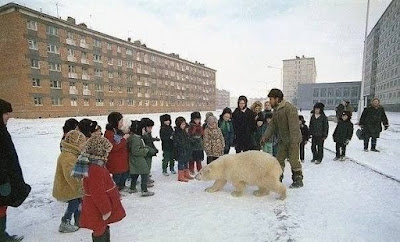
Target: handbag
pixel 360 134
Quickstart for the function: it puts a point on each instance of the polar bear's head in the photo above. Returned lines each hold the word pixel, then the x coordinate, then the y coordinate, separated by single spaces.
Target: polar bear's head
pixel 211 171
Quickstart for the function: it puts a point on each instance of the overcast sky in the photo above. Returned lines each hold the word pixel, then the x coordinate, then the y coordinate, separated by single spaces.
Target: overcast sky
pixel 238 38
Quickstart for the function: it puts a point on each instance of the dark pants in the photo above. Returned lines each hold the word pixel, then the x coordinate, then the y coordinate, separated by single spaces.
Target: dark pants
pixel 211 159
pixel 168 159
pixel 302 145
pixel 227 149
pixel 143 184
pixel 120 179
pixel 340 150
pixel 373 143
pixel 241 149
pixel 73 208
pixel 182 165
pixel 317 148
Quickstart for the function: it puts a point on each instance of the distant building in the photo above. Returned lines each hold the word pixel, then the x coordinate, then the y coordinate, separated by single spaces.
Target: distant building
pixel 222 99
pixel 260 99
pixel 297 71
pixel 331 94
pixel 381 71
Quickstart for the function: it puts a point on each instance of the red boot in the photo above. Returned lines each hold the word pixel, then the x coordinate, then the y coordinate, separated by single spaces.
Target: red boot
pixel 198 166
pixel 181 176
pixel 187 175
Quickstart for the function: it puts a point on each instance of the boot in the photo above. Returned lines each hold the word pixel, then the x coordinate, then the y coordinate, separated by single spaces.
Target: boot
pixel 187 175
pixel 147 194
pixel 164 172
pixel 181 176
pixel 172 170
pixel 104 237
pixel 198 166
pixel 77 216
pixel 191 167
pixel 171 166
pixel 66 226
pixel 297 178
pixel 4 236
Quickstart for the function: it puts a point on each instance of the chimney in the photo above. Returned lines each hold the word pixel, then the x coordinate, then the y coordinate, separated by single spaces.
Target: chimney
pixel 71 20
pixel 83 25
pixel 137 42
pixel 303 56
pixel 129 39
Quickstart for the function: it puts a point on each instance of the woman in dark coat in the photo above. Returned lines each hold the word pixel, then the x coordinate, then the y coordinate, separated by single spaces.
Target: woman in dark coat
pixel 243 125
pixel 371 122
pixel 13 189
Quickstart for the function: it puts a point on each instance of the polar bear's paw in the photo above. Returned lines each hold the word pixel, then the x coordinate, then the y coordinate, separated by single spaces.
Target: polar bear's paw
pixel 237 194
pixel 261 193
pixel 211 189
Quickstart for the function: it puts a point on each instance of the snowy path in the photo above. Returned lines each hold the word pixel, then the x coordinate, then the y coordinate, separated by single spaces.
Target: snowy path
pixel 341 201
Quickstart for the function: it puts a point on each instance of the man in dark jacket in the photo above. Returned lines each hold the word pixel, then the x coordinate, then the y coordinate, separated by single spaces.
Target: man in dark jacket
pixel 167 144
pixel 243 125
pixel 13 189
pixel 319 128
pixel 371 122
pixel 285 123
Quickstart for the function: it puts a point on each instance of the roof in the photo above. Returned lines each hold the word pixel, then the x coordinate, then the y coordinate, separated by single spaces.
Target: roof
pixel 380 18
pixel 329 83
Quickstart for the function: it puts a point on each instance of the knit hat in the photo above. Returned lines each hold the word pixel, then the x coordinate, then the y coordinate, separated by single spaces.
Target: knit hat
pixel 75 138
pixel 113 120
pixel 165 117
pixel 70 124
pixel 195 115
pixel 179 121
pixel 211 120
pixel 98 147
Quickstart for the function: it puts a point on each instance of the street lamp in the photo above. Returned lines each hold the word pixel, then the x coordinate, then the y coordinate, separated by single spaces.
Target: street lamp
pixel 274 67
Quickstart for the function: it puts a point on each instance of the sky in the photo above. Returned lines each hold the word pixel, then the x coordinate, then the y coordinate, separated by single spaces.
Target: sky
pixel 238 38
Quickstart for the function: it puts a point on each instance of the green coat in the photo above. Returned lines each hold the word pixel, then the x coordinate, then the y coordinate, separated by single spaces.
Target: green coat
pixel 285 123
pixel 137 155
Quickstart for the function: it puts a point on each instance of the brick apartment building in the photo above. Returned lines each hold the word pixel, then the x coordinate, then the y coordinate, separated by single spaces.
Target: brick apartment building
pixel 50 67
pixel 222 99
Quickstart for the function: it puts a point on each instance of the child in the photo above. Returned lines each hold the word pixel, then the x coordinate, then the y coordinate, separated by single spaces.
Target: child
pixel 138 162
pixel 149 142
pixel 182 149
pixel 260 130
pixel 208 114
pixel 342 135
pixel 214 143
pixel 101 203
pixel 305 133
pixel 226 126
pixel 270 146
pixel 196 133
pixel 70 124
pixel 319 128
pixel 66 188
pixel 118 158
pixel 166 133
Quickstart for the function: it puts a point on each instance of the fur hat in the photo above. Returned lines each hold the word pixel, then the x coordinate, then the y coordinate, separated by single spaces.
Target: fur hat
pixel 347 113
pixel 226 110
pixel 275 93
pixel 165 117
pixel 136 127
pixel 75 138
pixel 87 127
pixel 211 120
pixel 5 107
pixel 146 122
pixel 113 120
pixel 195 115
pixel 98 147
pixel 179 121
pixel 70 124
pixel 321 106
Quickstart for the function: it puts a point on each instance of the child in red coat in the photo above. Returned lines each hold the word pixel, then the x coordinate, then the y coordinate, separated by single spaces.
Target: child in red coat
pixel 101 201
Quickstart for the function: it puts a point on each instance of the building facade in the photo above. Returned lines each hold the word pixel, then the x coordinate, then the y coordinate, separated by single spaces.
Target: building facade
pixel 53 68
pixel 297 71
pixel 381 72
pixel 222 99
pixel 331 94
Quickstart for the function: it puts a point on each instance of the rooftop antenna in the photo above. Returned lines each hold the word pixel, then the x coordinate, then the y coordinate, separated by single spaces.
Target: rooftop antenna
pixel 40 9
pixel 57 10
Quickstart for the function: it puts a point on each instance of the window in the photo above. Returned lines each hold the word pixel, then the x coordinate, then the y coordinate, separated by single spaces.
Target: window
pixel 110 88
pixel 35 82
pixel 129 64
pixel 129 89
pixel 54 67
pixel 120 102
pixel 131 102
pixel 55 84
pixel 99 87
pixel 38 101
pixel 86 102
pixel 71 69
pixel 97 58
pixel 323 92
pixel 338 92
pixel 316 92
pixel 110 61
pixel 70 35
pixel 98 73
pixel 129 52
pixel 71 52
pixel 120 89
pixel 97 43
pixel 330 101
pixel 52 30
pixel 85 86
pixel 346 91
pixel 111 102
pixel 110 75
pixel 74 102
pixel 33 45
pixel 330 92
pixel 118 49
pixel 109 46
pixel 53 49
pixel 35 64
pixel 56 101
pixel 119 62
pixel 32 25
pixel 354 91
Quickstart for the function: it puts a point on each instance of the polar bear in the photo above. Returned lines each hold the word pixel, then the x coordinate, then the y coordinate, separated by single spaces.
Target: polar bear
pixel 248 168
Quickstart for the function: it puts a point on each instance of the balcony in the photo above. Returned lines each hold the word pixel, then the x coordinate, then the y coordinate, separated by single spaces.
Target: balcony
pixel 84 45
pixel 71 42
pixel 140 95
pixel 147 84
pixel 73 91
pixel 87 92
pixel 147 95
pixel 85 77
pixel 85 61
pixel 72 75
pixel 139 83
pixel 71 58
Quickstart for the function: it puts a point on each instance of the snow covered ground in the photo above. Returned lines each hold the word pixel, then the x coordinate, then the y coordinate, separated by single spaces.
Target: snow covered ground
pixel 341 201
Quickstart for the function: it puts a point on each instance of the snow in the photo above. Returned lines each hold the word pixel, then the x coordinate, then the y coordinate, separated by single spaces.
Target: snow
pixel 340 201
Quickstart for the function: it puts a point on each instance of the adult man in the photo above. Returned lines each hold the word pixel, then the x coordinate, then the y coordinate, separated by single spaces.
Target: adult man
pixel 285 123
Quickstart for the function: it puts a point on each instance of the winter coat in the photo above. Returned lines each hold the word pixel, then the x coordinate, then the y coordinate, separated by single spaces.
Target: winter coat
pixel 243 126
pixel 319 127
pixel 137 155
pixel 343 131
pixel 166 133
pixel 13 189
pixel 65 186
pixel 265 113
pixel 182 145
pixel 196 133
pixel 214 142
pixel 100 197
pixel 149 142
pixel 339 111
pixel 372 120
pixel 227 131
pixel 258 135
pixel 285 124
pixel 118 158
pixel 305 133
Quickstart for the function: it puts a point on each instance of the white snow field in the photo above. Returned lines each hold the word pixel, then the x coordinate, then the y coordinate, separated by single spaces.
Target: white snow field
pixel 341 201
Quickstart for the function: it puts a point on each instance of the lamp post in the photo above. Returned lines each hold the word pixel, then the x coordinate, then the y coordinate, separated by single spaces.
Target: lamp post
pixel 274 67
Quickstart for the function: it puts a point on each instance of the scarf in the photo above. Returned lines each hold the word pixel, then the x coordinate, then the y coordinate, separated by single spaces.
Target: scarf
pixel 81 168
pixel 225 127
